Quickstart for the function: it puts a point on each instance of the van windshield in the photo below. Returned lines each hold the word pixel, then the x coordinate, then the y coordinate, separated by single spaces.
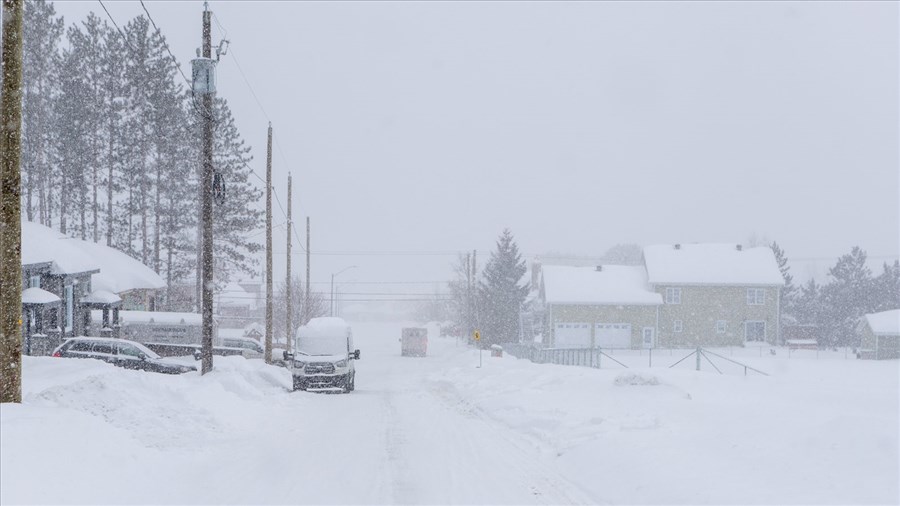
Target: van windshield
pixel 321 345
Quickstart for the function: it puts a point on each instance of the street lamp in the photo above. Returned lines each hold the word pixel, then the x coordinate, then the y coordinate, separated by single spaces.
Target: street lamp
pixel 332 285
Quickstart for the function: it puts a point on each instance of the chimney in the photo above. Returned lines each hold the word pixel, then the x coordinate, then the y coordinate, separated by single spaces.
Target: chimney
pixel 599 268
pixel 739 247
pixel 535 274
pixel 677 246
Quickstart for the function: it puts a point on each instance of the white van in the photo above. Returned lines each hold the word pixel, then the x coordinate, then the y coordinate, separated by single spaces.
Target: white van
pixel 323 355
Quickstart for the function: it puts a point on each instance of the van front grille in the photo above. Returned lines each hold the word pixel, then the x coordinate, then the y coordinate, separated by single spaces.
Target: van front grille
pixel 320 368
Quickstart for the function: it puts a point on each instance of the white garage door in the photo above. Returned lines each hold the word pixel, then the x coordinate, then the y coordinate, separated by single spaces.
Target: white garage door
pixel 613 335
pixel 572 335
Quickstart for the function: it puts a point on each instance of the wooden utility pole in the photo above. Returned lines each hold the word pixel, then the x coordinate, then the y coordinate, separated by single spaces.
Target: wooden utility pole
pixel 469 326
pixel 206 199
pixel 306 310
pixel 475 288
pixel 269 247
pixel 288 318
pixel 10 224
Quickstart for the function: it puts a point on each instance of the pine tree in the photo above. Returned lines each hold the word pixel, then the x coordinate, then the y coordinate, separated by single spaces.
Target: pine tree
pixel 847 298
pixel 789 291
pixel 239 214
pixel 86 49
pixel 501 296
pixel 808 308
pixel 42 32
pixel 71 151
pixel 886 288
pixel 112 88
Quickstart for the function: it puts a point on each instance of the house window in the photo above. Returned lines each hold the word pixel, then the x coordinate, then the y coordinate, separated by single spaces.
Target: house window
pixel 70 307
pixel 34 282
pixel 677 326
pixel 673 295
pixel 756 296
pixel 721 326
pixel 755 331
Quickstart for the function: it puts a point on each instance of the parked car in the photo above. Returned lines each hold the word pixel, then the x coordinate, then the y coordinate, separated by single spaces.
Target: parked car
pixel 324 356
pixel 251 348
pixel 119 352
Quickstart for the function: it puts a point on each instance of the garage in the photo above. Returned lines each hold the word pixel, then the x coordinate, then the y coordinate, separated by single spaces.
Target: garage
pixel 572 335
pixel 613 335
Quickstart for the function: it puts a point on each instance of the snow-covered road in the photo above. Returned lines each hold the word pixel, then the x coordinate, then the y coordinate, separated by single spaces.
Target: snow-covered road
pixel 400 438
pixel 439 430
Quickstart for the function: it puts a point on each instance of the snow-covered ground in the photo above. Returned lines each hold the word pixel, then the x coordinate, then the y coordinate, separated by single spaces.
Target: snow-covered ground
pixel 441 430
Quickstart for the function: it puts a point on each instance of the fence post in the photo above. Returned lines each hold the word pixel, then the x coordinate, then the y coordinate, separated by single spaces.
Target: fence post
pixel 698 357
pixel 650 361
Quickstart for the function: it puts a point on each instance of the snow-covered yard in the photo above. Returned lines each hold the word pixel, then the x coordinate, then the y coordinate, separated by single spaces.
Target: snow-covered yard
pixel 441 430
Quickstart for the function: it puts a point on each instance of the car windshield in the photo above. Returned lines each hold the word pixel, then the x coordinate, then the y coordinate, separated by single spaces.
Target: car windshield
pixel 147 351
pixel 320 345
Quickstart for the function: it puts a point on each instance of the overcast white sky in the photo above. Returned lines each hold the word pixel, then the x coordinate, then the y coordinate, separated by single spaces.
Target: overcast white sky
pixel 431 126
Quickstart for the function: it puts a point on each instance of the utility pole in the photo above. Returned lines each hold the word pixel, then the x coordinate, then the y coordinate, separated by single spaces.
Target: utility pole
pixel 475 288
pixel 289 308
pixel 269 247
pixel 10 226
pixel 469 326
pixel 204 84
pixel 306 309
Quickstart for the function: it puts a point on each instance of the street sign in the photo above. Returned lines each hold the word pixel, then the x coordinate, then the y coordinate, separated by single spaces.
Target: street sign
pixel 477 335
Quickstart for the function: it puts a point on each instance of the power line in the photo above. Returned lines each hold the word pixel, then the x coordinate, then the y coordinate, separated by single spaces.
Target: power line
pixel 124 38
pixel 165 45
pixel 262 109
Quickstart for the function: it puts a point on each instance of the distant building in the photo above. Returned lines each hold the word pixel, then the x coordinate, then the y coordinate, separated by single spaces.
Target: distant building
pixel 682 295
pixel 880 335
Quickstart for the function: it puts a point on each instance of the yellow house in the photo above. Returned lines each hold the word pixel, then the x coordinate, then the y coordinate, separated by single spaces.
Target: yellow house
pixel 715 294
pixel 607 306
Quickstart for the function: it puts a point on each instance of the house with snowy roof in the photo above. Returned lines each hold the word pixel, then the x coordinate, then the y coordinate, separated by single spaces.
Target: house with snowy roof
pixel 880 335
pixel 607 306
pixel 715 294
pixel 682 295
pixel 65 278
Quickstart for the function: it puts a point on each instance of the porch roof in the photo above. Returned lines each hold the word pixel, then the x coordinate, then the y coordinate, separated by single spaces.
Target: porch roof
pixel 38 296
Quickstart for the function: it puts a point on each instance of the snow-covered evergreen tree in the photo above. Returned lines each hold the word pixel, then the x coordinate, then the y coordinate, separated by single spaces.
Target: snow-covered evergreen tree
pixel 789 292
pixel 239 214
pixel 808 307
pixel 500 295
pixel 886 288
pixel 847 298
pixel 42 32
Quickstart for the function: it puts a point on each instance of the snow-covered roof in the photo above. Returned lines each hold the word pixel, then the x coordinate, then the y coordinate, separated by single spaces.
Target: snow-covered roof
pixel 119 272
pixel 324 327
pixel 614 284
pixel 166 317
pixel 711 264
pixel 35 295
pixel 101 297
pixel 42 244
pixel 234 295
pixel 885 323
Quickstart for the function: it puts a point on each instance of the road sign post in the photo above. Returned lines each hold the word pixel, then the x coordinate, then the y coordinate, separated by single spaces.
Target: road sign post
pixel 477 336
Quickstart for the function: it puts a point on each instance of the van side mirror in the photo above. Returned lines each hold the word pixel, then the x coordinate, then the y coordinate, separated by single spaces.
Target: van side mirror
pixel 288 356
pixel 356 355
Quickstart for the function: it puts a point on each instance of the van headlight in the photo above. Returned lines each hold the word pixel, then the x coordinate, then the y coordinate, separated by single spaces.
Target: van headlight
pixel 299 365
pixel 341 363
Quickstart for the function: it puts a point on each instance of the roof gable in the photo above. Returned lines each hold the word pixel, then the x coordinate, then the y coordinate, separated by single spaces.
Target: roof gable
pixel 711 264
pixel 612 285
pixel 885 323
